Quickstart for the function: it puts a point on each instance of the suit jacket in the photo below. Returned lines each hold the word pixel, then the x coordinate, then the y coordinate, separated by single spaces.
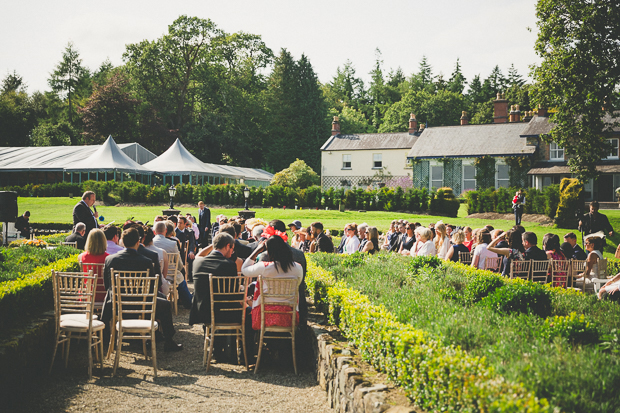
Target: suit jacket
pixel 242 251
pixel 204 219
pixel 595 222
pixel 578 253
pixel 216 264
pixel 152 255
pixel 182 236
pixel 82 213
pixel 535 253
pixel 75 237
pixel 324 243
pixel 343 241
pixel 395 242
pixel 362 244
pixel 126 260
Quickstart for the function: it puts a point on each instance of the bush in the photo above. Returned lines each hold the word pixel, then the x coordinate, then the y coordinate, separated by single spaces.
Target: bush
pixel 571 200
pixel 575 328
pixel 443 202
pixel 524 297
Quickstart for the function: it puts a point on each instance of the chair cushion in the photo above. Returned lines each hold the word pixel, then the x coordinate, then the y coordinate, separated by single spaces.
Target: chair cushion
pixel 76 317
pixel 137 324
pixel 73 324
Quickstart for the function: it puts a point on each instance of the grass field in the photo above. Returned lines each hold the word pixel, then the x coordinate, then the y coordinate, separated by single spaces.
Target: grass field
pixel 60 210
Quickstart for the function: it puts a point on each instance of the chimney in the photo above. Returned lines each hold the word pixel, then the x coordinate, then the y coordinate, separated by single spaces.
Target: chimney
pixel 335 126
pixel 422 126
pixel 528 116
pixel 501 109
pixel 542 112
pixel 515 114
pixel 464 118
pixel 413 124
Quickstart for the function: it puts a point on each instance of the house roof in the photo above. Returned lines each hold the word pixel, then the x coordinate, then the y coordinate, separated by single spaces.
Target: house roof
pixel 561 168
pixel 361 141
pixel 539 125
pixel 499 139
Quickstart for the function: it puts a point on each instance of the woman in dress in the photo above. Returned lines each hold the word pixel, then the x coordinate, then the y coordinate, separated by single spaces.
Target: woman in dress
pixel 468 237
pixel 458 238
pixel 442 242
pixel 481 253
pixel 425 245
pixel 551 245
pixel 94 253
pixel 353 242
pixel 407 245
pixel 372 246
pixel 515 249
pixel 593 247
pixel 278 264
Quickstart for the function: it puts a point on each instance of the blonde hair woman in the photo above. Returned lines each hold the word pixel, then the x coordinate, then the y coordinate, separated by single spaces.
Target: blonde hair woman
pixel 426 245
pixel 442 242
pixel 94 253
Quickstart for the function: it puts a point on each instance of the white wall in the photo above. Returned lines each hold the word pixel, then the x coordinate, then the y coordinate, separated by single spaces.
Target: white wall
pixel 395 161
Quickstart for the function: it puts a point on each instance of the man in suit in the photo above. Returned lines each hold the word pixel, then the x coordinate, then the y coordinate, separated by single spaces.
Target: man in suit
pixel 130 259
pixel 185 233
pixel 578 252
pixel 361 230
pixel 78 236
pixel 82 212
pixel 204 223
pixel 323 242
pixel 22 224
pixel 532 252
pixel 595 222
pixel 397 238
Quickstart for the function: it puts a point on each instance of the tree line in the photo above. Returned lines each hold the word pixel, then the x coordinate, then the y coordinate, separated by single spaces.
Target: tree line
pixel 232 100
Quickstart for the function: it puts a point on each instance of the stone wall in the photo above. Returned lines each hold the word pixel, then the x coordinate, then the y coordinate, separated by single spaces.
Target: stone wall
pixel 348 390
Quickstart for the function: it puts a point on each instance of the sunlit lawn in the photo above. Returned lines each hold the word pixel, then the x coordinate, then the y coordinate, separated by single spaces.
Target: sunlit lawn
pixel 60 210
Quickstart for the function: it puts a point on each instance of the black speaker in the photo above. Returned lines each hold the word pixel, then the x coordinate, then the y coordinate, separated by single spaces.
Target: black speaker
pixel 8 206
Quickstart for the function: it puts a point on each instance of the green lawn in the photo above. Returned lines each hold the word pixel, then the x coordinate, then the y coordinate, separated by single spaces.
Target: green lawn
pixel 60 210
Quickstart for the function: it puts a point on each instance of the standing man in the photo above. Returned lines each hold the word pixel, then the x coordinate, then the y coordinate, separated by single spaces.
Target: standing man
pixel 595 221
pixel 185 233
pixel 204 223
pixel 83 213
pixel 518 202
pixel 22 224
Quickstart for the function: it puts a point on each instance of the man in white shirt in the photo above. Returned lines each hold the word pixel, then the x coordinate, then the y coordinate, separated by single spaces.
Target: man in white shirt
pixel 170 246
pixel 111 234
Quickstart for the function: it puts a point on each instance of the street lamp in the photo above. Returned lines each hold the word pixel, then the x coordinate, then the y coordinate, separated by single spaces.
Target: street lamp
pixel 172 191
pixel 246 194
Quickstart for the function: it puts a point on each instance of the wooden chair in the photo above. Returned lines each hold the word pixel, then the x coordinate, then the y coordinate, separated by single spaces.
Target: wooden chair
pixel 465 258
pixel 73 308
pixel 72 244
pixel 227 298
pixel 100 291
pixel 280 291
pixel 520 269
pixel 135 297
pixel 577 267
pixel 560 271
pixel 539 271
pixel 173 263
pixel 493 263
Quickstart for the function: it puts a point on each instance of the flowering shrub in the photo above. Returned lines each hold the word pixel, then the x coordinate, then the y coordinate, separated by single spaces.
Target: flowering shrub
pixel 30 242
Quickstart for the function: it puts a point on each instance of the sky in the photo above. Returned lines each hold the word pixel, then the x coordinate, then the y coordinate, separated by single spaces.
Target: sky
pixel 481 33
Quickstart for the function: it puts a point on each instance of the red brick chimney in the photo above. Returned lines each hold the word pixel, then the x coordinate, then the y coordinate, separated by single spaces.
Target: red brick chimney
pixel 542 112
pixel 335 126
pixel 413 124
pixel 515 114
pixel 501 109
pixel 464 118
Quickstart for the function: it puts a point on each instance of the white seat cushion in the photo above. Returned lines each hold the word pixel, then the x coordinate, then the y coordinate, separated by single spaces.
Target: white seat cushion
pixel 137 324
pixel 76 317
pixel 73 324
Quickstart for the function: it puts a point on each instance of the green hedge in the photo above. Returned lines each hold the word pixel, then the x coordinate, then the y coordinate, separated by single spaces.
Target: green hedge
pixel 32 293
pixel 500 200
pixel 436 377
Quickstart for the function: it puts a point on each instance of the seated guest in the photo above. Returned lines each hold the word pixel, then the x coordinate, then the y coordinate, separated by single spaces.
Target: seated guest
pixel 593 246
pixel 22 224
pixel 111 234
pixel 458 237
pixel 361 234
pixel 567 249
pixel 280 264
pixel 514 251
pixel 397 238
pixel 481 253
pixel 130 260
pixel 610 289
pixel 147 241
pixel 532 252
pixel 442 242
pixel 578 253
pixel 551 245
pixel 352 242
pixel 372 241
pixel 218 263
pixel 95 253
pixel 408 240
pixel 426 245
pixel 322 241
pixel 170 246
pixel 230 230
pixel 388 237
pixel 78 235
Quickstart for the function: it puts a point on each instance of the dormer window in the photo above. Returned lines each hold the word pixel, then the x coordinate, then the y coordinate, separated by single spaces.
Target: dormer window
pixel 556 153
pixel 613 154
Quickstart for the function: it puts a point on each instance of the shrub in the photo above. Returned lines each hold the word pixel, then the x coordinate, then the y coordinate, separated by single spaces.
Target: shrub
pixel 443 202
pixel 571 200
pixel 524 297
pixel 575 328
pixel 481 287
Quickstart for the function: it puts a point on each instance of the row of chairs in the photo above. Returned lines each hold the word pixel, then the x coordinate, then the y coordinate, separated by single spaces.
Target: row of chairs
pixel 561 273
pixel 134 305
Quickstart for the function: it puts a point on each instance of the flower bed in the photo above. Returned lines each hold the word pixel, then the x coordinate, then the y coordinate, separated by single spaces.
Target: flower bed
pixel 443 332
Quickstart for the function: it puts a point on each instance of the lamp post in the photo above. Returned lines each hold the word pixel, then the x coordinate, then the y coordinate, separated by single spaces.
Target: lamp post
pixel 246 195
pixel 172 191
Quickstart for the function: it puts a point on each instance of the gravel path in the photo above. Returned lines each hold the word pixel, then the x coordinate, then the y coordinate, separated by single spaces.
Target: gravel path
pixel 182 383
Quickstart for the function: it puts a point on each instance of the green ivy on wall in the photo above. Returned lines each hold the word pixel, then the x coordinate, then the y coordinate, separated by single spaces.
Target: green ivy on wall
pixel 518 167
pixel 485 172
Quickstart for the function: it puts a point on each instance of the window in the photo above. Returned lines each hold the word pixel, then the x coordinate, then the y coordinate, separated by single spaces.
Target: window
pixel 555 152
pixel 436 176
pixel 613 154
pixel 346 161
pixel 503 178
pixel 377 162
pixel 469 177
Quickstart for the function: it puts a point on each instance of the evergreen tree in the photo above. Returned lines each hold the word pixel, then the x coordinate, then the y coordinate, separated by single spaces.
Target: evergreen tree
pixel 514 78
pixel 497 81
pixel 457 81
pixel 345 89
